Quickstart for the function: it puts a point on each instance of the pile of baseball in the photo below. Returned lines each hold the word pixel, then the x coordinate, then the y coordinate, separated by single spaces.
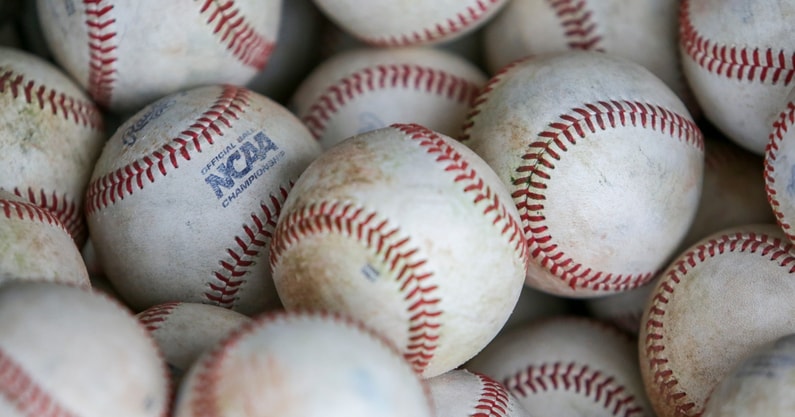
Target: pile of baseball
pixel 408 208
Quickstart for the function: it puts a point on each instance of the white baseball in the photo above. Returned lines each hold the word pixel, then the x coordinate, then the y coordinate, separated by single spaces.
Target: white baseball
pixel 303 365
pixel 52 135
pixel 733 194
pixel 365 89
pixel 185 196
pixel 640 31
pixel 184 331
pixel 459 393
pixel 760 385
pixel 603 162
pixel 728 295
pixel 409 231
pixel 65 351
pixel 409 22
pixel 739 60
pixel 780 166
pixel 567 366
pixel 128 54
pixel 36 246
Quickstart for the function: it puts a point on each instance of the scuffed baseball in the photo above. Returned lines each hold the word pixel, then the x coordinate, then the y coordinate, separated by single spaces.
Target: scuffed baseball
pixel 725 297
pixel 65 351
pixel 760 385
pixel 409 231
pixel 127 54
pixel 36 246
pixel 567 366
pixel 739 60
pixel 52 135
pixel 460 393
pixel 603 162
pixel 184 331
pixel 184 198
pixel 303 365
pixel 390 23
pixel 365 89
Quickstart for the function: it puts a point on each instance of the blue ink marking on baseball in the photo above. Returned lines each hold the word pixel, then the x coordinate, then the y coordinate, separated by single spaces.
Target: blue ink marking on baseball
pixel 129 137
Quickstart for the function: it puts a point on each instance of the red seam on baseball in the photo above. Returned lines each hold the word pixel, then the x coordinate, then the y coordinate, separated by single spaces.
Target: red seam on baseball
pixel 460 21
pixel 80 112
pixel 106 190
pixel 405 76
pixel 578 26
pixel 745 64
pixel 576 378
pixel 223 290
pixel 666 381
pixel 467 177
pixel 483 97
pixel 493 400
pixel 24 394
pixel 780 127
pixel 63 208
pixel 102 50
pixel 397 254
pixel 204 401
pixel 551 144
pixel 30 211
pixel 153 317
pixel 239 36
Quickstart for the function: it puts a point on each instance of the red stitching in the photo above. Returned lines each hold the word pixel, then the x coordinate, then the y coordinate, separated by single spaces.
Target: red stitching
pixel 577 378
pixel 24 394
pixel 405 76
pixel 472 182
pixel 63 208
pixel 256 235
pixel 80 112
pixel 763 65
pixel 780 127
pixel 532 178
pixel 102 50
pixel 774 249
pixel 30 211
pixel 105 190
pixel 578 24
pixel 454 24
pixel 395 250
pixel 153 317
pixel 493 400
pixel 248 46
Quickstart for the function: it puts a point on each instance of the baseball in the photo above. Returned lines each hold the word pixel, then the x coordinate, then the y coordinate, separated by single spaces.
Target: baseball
pixel 603 162
pixel 365 89
pixel 183 331
pixel 303 365
pixel 644 32
pixel 739 60
pixel 390 23
pixel 126 59
pixel 779 186
pixel 725 297
pixel 462 393
pixel 65 351
pixel 390 227
pixel 185 196
pixel 760 385
pixel 567 366
pixel 52 135
pixel 36 246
